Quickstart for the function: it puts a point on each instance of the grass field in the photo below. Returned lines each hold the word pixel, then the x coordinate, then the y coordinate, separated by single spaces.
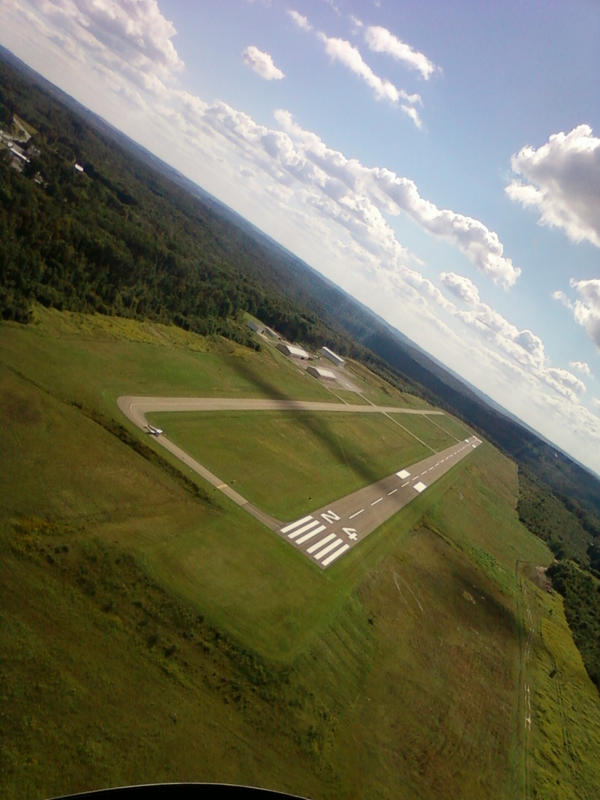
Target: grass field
pixel 290 463
pixel 150 631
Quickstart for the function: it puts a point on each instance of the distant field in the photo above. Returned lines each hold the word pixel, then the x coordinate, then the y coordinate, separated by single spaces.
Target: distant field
pixel 153 632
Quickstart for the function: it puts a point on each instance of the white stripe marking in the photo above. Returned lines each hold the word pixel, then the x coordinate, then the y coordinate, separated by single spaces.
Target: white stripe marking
pixel 419 487
pixel 379 499
pixel 356 513
pixel 293 525
pixel 336 554
pixel 405 484
pixel 304 528
pixel 323 541
pixel 310 534
pixel 404 473
pixel 393 491
pixel 327 549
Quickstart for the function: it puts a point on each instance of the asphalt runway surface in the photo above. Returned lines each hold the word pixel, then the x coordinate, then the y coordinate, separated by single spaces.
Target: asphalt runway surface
pixel 326 534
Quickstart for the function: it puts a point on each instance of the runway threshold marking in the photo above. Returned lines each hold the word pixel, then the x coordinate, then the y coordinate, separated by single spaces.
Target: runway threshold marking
pixel 335 555
pixel 303 529
pixel 310 534
pixel 292 525
pixel 328 549
pixel 313 548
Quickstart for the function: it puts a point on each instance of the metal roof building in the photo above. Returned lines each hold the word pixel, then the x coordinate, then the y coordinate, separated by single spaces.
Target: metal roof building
pixel 332 356
pixel 292 350
pixel 319 372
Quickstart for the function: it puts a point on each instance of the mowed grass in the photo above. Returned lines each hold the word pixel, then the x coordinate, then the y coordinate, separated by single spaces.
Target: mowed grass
pixel 289 463
pixel 562 746
pixel 149 633
pixel 451 426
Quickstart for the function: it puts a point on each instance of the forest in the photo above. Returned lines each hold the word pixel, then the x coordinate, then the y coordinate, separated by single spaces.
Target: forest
pixel 128 236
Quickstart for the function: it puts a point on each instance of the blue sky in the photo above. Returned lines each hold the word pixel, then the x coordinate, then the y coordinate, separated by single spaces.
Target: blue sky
pixel 440 161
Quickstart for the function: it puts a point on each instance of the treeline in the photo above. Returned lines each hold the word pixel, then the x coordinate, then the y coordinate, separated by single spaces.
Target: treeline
pixel 572 535
pixel 121 239
pixel 569 532
pixel 581 593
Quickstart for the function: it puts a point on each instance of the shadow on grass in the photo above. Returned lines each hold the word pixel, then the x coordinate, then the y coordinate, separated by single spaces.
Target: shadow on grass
pixel 311 422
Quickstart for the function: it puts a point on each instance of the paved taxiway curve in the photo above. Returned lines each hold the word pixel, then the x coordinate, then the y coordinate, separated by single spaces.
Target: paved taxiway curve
pixel 326 534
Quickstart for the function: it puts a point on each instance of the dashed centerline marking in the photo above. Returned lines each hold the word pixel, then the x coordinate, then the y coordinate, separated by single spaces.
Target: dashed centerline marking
pixel 393 491
pixel 379 499
pixel 356 513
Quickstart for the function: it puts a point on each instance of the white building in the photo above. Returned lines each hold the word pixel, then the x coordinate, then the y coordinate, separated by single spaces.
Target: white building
pixel 338 360
pixel 319 372
pixel 292 350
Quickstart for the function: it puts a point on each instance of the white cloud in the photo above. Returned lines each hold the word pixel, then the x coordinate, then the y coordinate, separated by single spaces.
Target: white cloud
pixel 586 307
pixel 348 55
pixel 462 287
pixel 564 382
pixel 563 183
pixel 380 40
pixel 262 64
pixel 134 31
pixel 299 20
pixel 395 194
pixel 581 366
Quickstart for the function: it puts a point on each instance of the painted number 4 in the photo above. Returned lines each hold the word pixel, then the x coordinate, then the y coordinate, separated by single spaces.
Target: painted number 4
pixel 351 533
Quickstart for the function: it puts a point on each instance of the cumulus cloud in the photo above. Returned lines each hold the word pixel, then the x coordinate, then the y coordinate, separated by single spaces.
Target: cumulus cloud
pixel 586 307
pixel 581 366
pixel 348 55
pixel 380 40
pixel 134 31
pixel 561 179
pixel 299 20
pixel 563 382
pixel 462 287
pixel 395 194
pixel 262 64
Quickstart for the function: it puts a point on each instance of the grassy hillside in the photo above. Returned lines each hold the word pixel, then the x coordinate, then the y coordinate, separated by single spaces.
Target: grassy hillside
pixel 152 632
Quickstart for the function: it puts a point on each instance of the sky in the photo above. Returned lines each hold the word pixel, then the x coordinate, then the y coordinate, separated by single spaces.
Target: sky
pixel 439 161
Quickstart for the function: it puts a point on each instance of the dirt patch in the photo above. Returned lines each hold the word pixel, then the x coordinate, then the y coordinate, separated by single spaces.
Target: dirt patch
pixel 19 408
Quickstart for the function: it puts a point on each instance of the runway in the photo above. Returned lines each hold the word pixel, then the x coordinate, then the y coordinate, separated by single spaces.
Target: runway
pixel 329 532
pixel 326 534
